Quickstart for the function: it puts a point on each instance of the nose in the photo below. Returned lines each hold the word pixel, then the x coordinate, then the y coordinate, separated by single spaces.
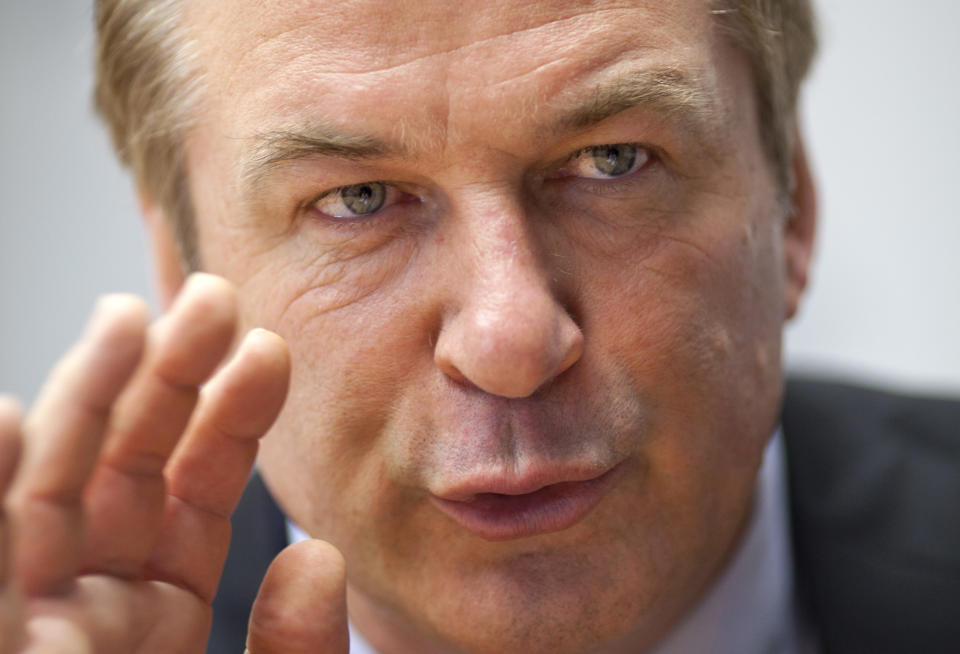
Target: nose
pixel 506 331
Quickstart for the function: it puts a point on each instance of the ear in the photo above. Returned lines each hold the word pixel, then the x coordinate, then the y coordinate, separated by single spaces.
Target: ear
pixel 168 269
pixel 799 232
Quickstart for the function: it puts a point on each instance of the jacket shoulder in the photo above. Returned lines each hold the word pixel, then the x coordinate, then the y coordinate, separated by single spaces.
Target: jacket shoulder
pixel 875 503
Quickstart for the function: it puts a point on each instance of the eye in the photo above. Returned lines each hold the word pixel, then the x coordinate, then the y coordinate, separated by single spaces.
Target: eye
pixel 606 161
pixel 357 200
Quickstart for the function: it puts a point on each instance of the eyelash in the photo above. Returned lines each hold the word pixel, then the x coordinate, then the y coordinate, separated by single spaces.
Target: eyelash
pixel 351 222
pixel 651 155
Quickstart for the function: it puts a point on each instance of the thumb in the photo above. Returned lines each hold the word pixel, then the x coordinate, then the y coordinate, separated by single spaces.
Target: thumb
pixel 302 605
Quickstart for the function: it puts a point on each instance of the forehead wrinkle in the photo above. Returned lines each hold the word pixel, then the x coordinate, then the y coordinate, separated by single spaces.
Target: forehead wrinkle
pixel 443 125
pixel 667 90
pixel 468 42
pixel 334 63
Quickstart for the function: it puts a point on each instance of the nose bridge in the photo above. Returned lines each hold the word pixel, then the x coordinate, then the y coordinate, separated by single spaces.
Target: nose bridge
pixel 505 278
pixel 507 260
pixel 506 330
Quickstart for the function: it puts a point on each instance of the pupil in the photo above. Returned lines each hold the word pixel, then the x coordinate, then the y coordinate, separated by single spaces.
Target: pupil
pixel 363 199
pixel 614 160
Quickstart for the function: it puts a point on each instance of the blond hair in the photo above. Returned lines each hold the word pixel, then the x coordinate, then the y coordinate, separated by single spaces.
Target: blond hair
pixel 146 91
pixel 780 41
pixel 147 81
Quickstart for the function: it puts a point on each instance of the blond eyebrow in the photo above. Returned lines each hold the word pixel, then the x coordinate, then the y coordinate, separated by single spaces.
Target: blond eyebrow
pixel 278 147
pixel 666 91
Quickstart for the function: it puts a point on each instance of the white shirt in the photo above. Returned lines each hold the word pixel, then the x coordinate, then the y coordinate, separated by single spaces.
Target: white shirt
pixel 751 607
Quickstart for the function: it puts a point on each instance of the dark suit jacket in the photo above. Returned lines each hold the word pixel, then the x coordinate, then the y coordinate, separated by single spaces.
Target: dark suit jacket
pixel 875 505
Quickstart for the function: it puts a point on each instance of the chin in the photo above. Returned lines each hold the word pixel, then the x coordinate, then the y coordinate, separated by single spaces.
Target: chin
pixel 600 586
pixel 550 603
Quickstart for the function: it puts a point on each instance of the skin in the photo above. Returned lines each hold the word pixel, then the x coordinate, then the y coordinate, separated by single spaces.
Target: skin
pixel 505 315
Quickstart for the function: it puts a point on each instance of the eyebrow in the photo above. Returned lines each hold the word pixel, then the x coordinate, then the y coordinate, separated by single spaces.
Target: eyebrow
pixel 667 91
pixel 282 146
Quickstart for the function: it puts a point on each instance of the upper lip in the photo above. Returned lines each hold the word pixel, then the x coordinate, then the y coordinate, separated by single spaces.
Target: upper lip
pixel 523 484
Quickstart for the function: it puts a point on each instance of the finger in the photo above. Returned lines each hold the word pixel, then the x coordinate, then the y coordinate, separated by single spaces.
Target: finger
pixel 302 606
pixel 208 472
pixel 10 606
pixel 63 437
pixel 106 615
pixel 210 469
pixel 125 498
pixel 10 417
pixel 49 634
pixel 9 457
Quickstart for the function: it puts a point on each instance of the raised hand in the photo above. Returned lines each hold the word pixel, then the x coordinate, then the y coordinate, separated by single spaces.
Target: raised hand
pixel 117 514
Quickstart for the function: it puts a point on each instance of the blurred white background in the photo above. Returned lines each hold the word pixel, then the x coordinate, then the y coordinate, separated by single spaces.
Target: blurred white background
pixel 881 113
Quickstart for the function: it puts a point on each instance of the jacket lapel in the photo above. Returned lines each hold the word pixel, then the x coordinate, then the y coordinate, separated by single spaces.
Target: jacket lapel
pixel 259 533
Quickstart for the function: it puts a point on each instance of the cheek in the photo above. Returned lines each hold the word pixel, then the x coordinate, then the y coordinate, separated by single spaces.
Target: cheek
pixel 324 458
pixel 696 327
pixel 689 308
pixel 290 279
pixel 712 302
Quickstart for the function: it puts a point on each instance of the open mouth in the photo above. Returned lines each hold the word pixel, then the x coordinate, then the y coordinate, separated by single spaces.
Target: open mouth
pixel 502 516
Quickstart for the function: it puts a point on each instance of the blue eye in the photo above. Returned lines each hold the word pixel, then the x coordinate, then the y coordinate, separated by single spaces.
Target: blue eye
pixel 606 161
pixel 356 200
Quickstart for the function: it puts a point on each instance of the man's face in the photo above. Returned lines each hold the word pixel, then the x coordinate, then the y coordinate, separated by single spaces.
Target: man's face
pixel 529 260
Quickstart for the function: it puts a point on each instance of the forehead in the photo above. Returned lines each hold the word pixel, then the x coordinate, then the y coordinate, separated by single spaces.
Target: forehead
pixel 359 35
pixel 429 65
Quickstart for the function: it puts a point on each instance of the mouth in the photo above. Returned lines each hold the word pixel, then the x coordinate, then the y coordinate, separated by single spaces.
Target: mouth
pixel 505 511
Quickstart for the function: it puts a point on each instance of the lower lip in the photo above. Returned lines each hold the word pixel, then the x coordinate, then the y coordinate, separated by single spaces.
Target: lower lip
pixel 493 516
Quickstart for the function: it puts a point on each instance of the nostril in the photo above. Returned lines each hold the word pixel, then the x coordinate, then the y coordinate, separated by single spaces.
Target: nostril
pixel 447 367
